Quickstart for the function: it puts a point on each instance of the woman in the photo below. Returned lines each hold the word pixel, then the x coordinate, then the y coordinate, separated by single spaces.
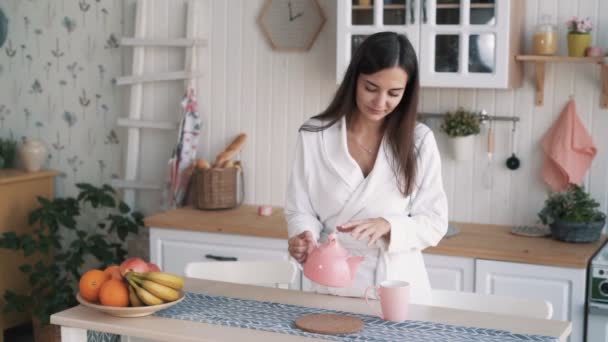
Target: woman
pixel 366 168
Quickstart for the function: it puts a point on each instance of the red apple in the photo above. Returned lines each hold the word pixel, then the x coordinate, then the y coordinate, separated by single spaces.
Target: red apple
pixel 153 267
pixel 133 265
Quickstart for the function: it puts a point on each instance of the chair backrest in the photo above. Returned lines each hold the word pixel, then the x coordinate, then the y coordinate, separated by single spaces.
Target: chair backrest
pixel 533 308
pixel 267 273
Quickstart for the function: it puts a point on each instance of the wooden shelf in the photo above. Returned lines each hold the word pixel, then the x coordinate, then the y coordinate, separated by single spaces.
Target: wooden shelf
pixel 539 76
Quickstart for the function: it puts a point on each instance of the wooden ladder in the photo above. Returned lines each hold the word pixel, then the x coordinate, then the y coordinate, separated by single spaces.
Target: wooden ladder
pixel 134 122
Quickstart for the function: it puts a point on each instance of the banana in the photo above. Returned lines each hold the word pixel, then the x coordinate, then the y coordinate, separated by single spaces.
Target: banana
pixel 173 281
pixel 133 299
pixel 161 291
pixel 145 296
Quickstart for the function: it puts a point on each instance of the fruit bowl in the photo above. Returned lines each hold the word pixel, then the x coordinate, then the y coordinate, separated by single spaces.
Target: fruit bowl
pixel 137 311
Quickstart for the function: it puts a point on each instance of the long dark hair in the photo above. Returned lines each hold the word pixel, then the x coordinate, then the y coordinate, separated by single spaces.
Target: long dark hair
pixel 377 52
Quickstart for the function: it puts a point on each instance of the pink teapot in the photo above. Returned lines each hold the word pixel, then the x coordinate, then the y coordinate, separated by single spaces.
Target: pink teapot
pixel 330 265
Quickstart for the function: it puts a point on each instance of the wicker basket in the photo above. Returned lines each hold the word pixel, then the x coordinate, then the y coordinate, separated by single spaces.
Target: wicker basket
pixel 576 231
pixel 218 188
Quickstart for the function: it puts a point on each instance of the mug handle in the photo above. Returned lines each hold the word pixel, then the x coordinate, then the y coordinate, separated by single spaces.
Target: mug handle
pixel 375 288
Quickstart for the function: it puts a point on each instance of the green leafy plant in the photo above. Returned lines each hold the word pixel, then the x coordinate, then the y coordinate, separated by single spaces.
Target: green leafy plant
pixel 570 205
pixel 98 224
pixel 460 123
pixel 8 150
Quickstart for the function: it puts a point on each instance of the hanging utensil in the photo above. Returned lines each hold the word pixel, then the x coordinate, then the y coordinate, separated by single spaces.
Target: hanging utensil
pixel 487 178
pixel 513 162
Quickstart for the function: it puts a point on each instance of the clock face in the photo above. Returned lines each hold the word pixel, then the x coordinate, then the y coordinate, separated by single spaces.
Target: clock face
pixel 291 24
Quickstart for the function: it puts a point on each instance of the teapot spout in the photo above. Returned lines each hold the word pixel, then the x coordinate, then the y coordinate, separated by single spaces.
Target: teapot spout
pixel 353 264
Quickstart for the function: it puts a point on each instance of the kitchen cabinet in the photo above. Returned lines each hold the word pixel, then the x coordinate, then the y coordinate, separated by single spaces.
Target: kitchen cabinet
pixel 172 249
pixel 18 193
pixel 459 43
pixel 450 273
pixel 563 287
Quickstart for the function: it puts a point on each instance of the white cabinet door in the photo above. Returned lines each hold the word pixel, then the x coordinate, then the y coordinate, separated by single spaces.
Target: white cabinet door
pixel 450 272
pixel 563 287
pixel 459 43
pixel 465 44
pixel 358 19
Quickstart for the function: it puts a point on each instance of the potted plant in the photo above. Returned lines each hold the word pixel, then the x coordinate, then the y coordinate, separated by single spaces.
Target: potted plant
pixel 572 215
pixel 579 36
pixel 462 126
pixel 68 232
pixel 8 150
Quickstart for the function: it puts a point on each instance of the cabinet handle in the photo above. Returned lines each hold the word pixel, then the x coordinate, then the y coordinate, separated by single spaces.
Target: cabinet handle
pixel 412 14
pixel 424 11
pixel 220 258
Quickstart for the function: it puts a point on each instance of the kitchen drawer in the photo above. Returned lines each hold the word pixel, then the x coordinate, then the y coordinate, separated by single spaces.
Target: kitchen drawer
pixel 176 254
pixel 172 249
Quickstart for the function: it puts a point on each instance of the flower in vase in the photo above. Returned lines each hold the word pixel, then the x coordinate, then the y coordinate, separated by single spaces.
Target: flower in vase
pixel 579 26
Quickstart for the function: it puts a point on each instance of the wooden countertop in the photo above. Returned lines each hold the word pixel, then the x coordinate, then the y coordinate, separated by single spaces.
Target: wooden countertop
pixel 158 328
pixel 243 220
pixel 15 175
pixel 482 241
pixel 494 242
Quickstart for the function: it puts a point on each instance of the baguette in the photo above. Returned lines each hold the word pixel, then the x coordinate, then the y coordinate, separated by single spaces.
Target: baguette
pixel 231 150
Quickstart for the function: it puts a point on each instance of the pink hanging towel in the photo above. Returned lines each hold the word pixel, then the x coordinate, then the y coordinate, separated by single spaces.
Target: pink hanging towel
pixel 568 149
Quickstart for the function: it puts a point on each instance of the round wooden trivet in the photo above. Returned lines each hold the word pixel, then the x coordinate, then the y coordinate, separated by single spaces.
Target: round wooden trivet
pixel 329 324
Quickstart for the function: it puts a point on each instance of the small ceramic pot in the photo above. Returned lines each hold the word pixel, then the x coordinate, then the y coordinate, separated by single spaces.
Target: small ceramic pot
pixel 593 51
pixel 32 154
pixel 463 148
pixel 578 44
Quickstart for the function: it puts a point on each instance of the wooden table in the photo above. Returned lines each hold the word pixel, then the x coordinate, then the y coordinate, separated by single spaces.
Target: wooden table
pixel 77 320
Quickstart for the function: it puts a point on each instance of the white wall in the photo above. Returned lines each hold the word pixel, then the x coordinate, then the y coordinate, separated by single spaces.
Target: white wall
pixel 250 88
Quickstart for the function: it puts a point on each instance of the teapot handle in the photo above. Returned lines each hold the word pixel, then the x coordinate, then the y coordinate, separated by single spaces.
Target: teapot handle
pixel 311 247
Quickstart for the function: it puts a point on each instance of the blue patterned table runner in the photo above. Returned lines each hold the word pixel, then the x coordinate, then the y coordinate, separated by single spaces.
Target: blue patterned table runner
pixel 279 318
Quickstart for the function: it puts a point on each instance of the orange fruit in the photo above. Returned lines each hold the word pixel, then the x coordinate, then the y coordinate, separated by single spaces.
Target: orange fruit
pixel 90 283
pixel 113 272
pixel 114 293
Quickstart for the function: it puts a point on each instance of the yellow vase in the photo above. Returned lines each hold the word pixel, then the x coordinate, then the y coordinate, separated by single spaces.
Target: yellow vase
pixel 578 43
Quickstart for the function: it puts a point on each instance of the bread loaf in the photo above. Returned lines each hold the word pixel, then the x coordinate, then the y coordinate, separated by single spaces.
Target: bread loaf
pixel 231 150
pixel 228 163
pixel 202 164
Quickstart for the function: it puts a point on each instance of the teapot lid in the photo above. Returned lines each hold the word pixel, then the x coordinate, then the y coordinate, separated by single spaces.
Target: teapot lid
pixel 333 246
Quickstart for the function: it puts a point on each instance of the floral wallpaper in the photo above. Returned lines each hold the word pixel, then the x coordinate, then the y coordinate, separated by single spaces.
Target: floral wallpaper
pixel 57 78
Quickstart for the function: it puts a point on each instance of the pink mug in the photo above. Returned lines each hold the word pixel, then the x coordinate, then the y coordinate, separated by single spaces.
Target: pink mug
pixel 394 299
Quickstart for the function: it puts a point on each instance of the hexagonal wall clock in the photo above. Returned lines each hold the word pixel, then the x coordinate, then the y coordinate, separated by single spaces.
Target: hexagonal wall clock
pixel 291 25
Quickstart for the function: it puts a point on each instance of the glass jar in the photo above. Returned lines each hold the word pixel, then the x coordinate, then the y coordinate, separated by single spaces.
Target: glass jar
pixel 544 41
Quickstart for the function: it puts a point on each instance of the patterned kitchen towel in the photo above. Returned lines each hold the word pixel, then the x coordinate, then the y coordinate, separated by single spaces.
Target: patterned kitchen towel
pixel 279 318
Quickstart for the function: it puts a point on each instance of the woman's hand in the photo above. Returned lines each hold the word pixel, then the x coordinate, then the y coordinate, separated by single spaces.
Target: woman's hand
pixel 300 245
pixel 372 229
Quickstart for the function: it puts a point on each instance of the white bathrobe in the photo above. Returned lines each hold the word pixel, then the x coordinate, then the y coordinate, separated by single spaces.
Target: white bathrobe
pixel 327 188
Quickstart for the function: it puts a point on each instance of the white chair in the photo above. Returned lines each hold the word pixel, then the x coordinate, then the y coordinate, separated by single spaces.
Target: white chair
pixel 267 273
pixel 493 303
